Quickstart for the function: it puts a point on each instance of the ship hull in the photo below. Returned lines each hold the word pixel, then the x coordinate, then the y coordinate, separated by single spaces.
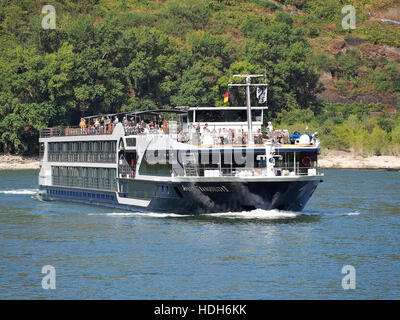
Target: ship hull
pixel 194 197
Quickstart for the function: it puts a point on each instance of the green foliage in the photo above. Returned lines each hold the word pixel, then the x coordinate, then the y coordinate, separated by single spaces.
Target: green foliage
pixel 377 141
pixel 346 127
pixel 347 64
pixel 281 50
pixel 380 34
pixel 395 134
pixel 267 4
pixel 297 3
pixel 322 62
pixel 184 15
pixel 111 56
pixel 328 10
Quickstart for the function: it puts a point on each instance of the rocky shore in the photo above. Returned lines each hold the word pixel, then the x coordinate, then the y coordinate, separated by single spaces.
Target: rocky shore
pixel 327 160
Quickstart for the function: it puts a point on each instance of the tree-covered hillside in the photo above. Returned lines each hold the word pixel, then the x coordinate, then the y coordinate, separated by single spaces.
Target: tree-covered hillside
pixel 106 56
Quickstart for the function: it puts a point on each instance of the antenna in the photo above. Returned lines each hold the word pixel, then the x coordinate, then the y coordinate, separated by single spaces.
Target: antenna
pixel 248 84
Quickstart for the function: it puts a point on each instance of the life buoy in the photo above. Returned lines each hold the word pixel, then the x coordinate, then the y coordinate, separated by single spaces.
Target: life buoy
pixel 306 161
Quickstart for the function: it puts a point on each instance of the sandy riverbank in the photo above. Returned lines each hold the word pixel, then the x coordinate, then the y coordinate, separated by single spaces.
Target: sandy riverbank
pixel 329 160
pixel 12 162
pixel 348 160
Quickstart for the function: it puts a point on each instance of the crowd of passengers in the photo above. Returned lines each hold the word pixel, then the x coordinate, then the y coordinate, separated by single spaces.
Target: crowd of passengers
pixel 195 134
pixel 223 136
pixel 107 125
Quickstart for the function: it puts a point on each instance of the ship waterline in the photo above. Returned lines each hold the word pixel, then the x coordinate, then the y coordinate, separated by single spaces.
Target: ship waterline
pixel 181 178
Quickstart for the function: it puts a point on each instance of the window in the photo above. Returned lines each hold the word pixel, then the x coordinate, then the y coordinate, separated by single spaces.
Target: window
pixel 131 142
pixel 226 115
pixel 156 164
pixel 41 150
pixel 190 116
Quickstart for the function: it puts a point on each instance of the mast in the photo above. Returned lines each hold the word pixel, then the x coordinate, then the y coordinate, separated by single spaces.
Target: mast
pixel 248 77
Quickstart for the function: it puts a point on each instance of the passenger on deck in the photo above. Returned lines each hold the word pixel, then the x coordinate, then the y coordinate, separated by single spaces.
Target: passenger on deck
pixel 207 139
pixel 125 121
pixel 102 125
pixel 142 126
pixel 116 120
pixel 244 139
pixel 82 124
pixel 214 135
pixel 270 128
pixel 241 136
pixel 96 125
pixel 286 137
pixel 220 137
pixel 258 137
pixel 225 136
pixel 160 121
pixel 192 134
pixel 133 122
pixel 107 121
pixel 182 137
pixel 205 128
pixel 107 124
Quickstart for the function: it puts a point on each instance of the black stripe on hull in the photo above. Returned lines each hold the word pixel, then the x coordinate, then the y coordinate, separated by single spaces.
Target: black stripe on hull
pixel 211 197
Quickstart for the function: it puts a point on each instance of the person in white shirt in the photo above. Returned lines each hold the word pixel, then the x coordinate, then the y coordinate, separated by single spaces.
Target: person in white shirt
pixel 270 128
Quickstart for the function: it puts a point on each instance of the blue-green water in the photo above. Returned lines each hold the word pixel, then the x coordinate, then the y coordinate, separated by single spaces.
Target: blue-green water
pixel 101 253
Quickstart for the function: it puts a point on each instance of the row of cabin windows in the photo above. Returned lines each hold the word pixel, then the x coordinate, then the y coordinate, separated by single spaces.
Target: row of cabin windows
pixel 98 178
pixel 93 151
pixel 84 146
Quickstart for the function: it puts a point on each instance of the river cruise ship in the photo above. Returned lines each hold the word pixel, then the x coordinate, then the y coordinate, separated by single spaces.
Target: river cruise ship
pixel 186 161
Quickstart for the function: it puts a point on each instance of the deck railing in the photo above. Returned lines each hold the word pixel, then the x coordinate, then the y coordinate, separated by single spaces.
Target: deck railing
pixel 210 140
pixel 75 131
pixel 249 172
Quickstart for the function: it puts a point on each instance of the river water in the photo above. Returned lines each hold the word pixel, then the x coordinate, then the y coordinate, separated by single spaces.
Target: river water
pixel 100 253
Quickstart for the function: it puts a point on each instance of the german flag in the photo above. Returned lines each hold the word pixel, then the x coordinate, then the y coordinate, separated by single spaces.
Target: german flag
pixel 226 97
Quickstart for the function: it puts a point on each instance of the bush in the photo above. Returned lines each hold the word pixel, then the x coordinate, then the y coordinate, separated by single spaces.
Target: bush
pixel 379 34
pixel 395 134
pixel 327 10
pixel 193 13
pixel 267 4
pixel 322 62
pixel 377 142
pixel 313 32
pixel 295 116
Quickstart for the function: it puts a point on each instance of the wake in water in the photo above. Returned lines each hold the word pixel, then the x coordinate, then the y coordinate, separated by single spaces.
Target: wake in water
pixel 254 214
pixel 20 191
pixel 142 214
